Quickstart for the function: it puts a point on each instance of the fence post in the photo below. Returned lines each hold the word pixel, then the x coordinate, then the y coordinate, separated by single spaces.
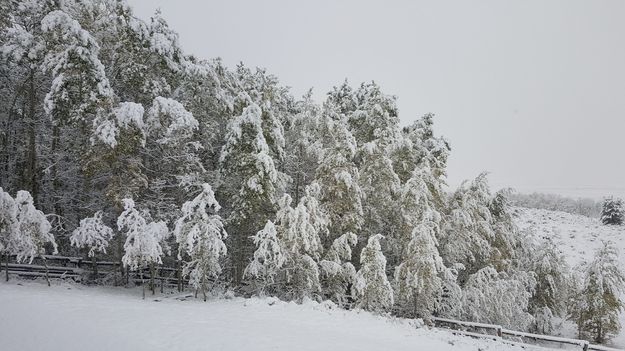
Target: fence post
pixel 499 333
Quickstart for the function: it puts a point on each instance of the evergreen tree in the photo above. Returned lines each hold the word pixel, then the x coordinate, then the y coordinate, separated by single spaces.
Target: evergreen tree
pixel 254 182
pixel 341 196
pixel 372 290
pixel 417 145
pixel 498 298
pixel 419 277
pixel 143 247
pixel 597 305
pixel 8 227
pixel 199 233
pixel 269 258
pixel 304 145
pixel 302 245
pixel 466 241
pixel 550 295
pixel 375 116
pixel 337 271
pixel 94 235
pixel 33 231
pixel 613 212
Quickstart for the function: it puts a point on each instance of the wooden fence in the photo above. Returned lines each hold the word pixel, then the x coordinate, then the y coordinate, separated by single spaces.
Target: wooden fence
pixel 497 332
pixel 78 268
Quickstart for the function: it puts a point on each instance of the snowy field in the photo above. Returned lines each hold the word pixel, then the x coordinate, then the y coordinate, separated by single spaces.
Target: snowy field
pixel 578 237
pixel 68 317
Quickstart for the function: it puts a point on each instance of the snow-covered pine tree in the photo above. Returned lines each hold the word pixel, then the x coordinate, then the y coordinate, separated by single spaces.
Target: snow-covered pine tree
pixel 269 258
pixel 598 303
pixel 337 271
pixel 93 235
pixel 199 233
pixel 143 247
pixel 372 290
pixel 304 145
pixel 498 298
pixel 505 240
pixel 380 186
pixel 8 227
pixel 174 168
pixel 303 248
pixel 341 196
pixel 261 89
pixel 375 115
pixel 417 145
pixel 468 232
pixel 33 231
pixel 419 277
pixel 287 252
pixel 343 98
pixel 79 85
pixel 613 212
pixel 421 274
pixel 551 293
pixel 252 185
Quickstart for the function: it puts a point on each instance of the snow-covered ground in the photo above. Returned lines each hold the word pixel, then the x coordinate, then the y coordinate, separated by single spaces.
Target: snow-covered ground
pixel 73 317
pixel 578 237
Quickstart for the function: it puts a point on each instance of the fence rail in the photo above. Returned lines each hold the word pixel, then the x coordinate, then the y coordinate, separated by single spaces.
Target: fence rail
pixel 497 332
pixel 78 268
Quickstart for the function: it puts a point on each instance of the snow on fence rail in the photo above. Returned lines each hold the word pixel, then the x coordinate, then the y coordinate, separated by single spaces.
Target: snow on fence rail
pixel 74 267
pixel 497 332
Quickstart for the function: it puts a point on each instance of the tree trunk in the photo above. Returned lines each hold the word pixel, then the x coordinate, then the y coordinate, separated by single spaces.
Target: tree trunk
pixel 143 285
pixel 179 272
pixel 31 176
pixel 152 271
pixel 7 266
pixel 162 280
pixel 55 179
pixel 204 287
pixel 599 333
pixel 95 268
pixel 45 264
pixel 120 250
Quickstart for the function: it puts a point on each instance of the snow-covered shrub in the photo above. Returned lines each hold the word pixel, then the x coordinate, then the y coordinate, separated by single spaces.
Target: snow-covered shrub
pixel 143 240
pixel 33 230
pixel 93 234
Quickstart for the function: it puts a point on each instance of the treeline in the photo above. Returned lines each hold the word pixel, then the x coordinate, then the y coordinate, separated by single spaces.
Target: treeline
pixel 553 202
pixel 143 154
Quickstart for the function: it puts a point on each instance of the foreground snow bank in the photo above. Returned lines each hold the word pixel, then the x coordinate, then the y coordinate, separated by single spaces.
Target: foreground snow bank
pixel 74 317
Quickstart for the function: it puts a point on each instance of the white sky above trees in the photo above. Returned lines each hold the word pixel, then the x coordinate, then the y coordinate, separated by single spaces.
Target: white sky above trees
pixel 531 90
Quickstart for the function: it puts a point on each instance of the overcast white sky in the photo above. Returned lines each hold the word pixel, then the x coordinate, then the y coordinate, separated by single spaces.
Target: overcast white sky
pixel 531 90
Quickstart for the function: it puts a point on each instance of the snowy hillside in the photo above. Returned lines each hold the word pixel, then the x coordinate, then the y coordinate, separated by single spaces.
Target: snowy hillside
pixel 577 236
pixel 73 317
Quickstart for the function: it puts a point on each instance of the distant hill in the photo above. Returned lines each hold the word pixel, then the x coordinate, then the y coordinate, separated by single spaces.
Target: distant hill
pixel 553 202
